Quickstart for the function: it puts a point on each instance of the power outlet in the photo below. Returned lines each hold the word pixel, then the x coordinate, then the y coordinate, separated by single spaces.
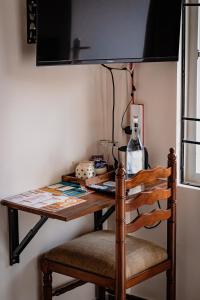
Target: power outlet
pixel 138 110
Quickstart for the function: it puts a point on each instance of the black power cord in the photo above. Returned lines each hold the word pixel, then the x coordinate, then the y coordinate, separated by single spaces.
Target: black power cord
pixel 159 206
pixel 127 129
pixel 113 108
pixel 156 224
pixel 113 115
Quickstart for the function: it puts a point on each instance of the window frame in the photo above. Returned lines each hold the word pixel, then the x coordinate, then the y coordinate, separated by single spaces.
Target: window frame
pixel 188 158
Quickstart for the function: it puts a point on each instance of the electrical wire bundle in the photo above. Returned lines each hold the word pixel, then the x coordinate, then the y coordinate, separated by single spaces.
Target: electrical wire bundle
pixel 127 129
pixel 133 89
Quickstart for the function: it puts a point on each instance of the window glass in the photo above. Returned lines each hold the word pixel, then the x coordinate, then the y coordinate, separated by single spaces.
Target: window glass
pixel 190 160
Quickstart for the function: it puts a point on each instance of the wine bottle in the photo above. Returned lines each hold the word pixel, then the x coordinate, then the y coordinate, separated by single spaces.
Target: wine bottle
pixel 135 151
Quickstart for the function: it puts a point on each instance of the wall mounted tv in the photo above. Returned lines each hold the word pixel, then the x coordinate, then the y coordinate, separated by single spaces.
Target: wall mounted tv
pixel 106 31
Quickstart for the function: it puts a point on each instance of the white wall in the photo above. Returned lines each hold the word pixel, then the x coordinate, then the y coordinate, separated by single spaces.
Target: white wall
pixel 157 89
pixel 49 117
pixel 156 85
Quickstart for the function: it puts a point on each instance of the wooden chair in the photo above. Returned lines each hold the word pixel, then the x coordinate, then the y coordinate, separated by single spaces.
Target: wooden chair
pixel 117 260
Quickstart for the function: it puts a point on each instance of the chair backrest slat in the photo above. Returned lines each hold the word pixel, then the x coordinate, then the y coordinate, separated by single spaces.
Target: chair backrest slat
pixel 147 176
pixel 147 198
pixel 148 219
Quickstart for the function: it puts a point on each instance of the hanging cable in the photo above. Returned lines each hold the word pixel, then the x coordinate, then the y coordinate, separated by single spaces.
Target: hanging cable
pixel 159 222
pixel 117 69
pixel 133 89
pixel 122 121
pixel 113 115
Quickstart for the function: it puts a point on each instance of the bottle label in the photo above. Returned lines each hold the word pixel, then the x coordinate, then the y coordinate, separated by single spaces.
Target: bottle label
pixel 134 161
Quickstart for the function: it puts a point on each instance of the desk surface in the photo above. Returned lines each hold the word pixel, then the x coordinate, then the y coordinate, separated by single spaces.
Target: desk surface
pixel 94 202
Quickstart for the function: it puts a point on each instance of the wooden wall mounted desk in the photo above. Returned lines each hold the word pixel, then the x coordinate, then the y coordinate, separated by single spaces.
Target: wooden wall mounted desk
pixel 95 203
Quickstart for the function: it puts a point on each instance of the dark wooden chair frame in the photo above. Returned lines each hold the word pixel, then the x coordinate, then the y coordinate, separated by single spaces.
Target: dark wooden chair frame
pixel 123 205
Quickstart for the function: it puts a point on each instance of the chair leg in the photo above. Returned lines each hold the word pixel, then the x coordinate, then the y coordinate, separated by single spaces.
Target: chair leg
pixel 47 285
pixel 171 284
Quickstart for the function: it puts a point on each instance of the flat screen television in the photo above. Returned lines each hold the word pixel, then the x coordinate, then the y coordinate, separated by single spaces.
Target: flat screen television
pixel 107 31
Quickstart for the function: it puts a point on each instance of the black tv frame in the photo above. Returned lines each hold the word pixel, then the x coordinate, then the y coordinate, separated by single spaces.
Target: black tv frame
pixel 32 39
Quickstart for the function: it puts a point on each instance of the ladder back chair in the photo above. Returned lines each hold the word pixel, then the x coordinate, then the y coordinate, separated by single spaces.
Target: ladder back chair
pixel 117 260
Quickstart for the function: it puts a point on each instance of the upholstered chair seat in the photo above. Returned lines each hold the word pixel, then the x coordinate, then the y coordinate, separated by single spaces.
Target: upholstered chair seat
pixel 95 252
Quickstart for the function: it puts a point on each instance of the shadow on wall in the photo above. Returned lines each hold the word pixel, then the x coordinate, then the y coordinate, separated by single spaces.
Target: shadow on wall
pixel 4 245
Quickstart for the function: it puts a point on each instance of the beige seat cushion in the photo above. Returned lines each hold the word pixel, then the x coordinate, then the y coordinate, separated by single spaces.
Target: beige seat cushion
pixel 95 252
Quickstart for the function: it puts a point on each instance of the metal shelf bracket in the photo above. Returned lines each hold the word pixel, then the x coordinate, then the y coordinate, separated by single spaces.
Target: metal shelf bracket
pixel 16 248
pixel 99 218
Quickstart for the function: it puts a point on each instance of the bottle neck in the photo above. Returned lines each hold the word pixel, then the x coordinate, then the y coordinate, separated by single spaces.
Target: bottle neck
pixel 135 132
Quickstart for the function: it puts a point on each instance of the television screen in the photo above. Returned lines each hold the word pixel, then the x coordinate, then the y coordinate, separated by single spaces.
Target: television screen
pixel 106 31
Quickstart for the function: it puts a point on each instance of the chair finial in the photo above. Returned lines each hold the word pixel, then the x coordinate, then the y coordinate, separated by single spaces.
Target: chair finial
pixel 171 157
